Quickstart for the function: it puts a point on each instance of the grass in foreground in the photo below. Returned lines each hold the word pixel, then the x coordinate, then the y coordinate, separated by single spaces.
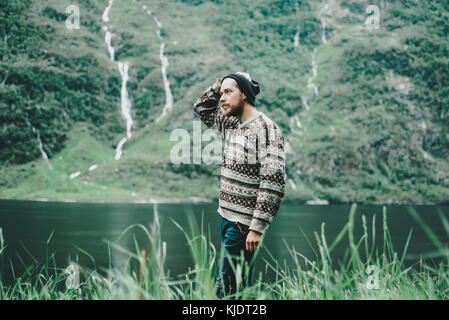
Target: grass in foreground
pixel 363 273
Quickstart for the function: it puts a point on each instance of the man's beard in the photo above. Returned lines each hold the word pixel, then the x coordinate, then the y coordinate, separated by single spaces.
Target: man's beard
pixel 237 111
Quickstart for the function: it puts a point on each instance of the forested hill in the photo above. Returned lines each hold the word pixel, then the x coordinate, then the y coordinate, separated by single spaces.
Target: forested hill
pixel 364 107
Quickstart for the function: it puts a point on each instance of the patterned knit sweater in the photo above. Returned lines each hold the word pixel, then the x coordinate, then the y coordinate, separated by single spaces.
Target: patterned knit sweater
pixel 253 164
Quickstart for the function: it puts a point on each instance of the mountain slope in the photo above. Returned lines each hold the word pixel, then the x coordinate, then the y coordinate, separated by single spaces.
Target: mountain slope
pixel 364 112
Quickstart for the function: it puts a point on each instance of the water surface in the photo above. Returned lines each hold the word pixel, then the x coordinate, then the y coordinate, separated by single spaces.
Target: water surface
pixel 34 230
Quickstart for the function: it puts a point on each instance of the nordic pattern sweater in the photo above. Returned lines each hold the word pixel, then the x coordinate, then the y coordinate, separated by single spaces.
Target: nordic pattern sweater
pixel 253 163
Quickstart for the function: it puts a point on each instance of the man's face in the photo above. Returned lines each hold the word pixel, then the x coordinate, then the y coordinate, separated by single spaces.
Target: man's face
pixel 232 99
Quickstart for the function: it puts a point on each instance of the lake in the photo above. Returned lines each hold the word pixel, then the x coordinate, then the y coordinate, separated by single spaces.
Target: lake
pixel 34 230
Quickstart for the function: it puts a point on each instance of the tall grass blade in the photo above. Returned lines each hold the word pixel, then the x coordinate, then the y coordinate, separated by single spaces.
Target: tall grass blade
pixel 406 246
pixel 339 237
pixel 432 236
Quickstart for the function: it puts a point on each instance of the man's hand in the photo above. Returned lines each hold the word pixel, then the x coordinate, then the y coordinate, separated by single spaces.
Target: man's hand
pixel 217 84
pixel 252 240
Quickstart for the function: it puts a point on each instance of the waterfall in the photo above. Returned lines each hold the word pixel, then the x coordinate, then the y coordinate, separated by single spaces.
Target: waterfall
pixel 323 35
pixel 106 12
pixel 5 38
pixel 296 121
pixel 292 183
pixel 119 149
pixel 108 36
pixel 126 108
pixel 125 103
pixel 168 94
pixel 164 64
pixel 6 77
pixel 310 83
pixel 39 142
pixel 304 102
pixel 323 23
pixel 296 39
pixel 107 39
pixel 295 125
pixel 159 25
pixel 288 147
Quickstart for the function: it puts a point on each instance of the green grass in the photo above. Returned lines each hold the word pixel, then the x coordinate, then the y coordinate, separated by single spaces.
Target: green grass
pixel 145 276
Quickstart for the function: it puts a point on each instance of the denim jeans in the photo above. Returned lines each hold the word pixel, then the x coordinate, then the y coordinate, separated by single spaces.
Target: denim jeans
pixel 233 237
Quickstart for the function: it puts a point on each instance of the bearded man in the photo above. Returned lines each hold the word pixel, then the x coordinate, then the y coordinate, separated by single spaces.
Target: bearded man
pixel 252 172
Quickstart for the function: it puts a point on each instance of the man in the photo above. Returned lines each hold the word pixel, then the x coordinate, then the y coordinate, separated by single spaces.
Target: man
pixel 252 173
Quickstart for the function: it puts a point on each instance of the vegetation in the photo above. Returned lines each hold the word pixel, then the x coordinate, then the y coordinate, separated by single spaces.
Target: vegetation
pixel 375 133
pixel 145 276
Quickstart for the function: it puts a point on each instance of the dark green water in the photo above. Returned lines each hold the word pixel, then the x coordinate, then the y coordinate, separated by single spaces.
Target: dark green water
pixel 27 227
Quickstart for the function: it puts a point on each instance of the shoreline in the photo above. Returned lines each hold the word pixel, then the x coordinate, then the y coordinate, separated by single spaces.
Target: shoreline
pixel 197 200
pixel 150 201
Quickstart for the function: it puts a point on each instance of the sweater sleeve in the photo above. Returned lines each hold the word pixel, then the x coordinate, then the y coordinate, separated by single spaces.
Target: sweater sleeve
pixel 211 114
pixel 272 183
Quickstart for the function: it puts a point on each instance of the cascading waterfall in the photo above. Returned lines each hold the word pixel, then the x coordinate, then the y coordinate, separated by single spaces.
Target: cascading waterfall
pixel 119 149
pixel 126 109
pixel 292 183
pixel 296 38
pixel 126 103
pixel 123 69
pixel 305 103
pixel 288 149
pixel 295 122
pixel 168 94
pixel 310 83
pixel 39 142
pixel 323 34
pixel 5 39
pixel 296 44
pixel 106 12
pixel 108 35
pixel 323 23
pixel 6 77
pixel 108 40
pixel 295 125
pixel 164 63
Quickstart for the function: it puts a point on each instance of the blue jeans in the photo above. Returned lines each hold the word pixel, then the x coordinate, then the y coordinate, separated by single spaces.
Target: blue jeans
pixel 233 237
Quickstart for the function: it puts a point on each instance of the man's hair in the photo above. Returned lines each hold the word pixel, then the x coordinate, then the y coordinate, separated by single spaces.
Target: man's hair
pixel 246 85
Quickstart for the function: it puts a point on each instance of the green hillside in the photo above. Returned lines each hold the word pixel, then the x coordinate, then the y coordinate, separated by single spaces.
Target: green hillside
pixel 375 131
